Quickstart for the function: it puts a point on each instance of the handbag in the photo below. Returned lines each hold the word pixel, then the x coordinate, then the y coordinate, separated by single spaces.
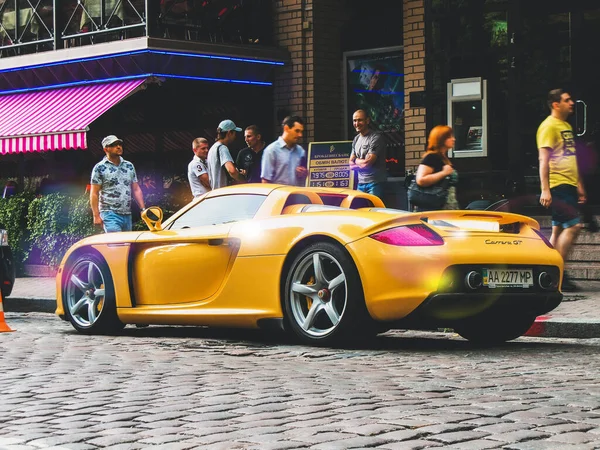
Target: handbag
pixel 428 197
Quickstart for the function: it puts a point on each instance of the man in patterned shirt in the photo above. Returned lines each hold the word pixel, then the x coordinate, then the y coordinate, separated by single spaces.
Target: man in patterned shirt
pixel 113 182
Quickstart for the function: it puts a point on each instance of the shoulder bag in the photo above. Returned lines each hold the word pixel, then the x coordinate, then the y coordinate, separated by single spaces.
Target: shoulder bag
pixel 428 197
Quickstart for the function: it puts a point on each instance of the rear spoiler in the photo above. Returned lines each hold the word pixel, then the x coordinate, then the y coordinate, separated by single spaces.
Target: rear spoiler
pixel 507 222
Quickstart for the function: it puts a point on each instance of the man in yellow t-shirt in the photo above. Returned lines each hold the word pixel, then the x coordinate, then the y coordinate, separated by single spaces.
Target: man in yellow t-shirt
pixel 562 189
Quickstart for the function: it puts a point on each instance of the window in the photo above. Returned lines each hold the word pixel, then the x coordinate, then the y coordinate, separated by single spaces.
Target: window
pixel 218 210
pixel 332 199
pixel 360 202
pixel 297 199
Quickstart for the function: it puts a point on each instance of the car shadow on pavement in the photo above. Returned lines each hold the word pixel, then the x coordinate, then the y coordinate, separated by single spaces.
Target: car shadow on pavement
pixel 393 341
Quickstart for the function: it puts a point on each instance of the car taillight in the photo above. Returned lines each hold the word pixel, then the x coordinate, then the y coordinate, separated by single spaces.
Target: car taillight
pixel 543 238
pixel 409 236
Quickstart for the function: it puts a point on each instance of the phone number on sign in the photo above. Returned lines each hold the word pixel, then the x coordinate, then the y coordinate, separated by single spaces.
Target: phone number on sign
pixel 336 183
pixel 329 175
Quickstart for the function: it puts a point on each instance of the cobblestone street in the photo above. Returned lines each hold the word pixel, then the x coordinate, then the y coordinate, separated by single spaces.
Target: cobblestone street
pixel 180 388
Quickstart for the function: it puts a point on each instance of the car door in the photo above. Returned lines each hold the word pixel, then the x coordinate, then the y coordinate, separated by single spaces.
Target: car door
pixel 188 262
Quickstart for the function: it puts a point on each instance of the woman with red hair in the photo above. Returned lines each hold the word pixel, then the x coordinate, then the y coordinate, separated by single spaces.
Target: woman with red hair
pixel 436 167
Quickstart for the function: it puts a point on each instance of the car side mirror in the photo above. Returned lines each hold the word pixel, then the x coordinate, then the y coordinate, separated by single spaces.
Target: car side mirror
pixel 153 217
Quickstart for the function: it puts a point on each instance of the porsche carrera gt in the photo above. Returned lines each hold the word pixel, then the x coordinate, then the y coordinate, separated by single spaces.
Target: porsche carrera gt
pixel 326 265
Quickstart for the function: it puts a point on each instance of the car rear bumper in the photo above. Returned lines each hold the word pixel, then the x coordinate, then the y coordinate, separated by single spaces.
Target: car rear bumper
pixel 445 309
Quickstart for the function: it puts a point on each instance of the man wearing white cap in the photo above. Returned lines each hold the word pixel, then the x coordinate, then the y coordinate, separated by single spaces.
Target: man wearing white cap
pixel 219 162
pixel 113 182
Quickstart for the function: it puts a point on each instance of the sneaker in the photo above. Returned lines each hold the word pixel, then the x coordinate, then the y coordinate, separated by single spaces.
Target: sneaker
pixel 591 227
pixel 568 285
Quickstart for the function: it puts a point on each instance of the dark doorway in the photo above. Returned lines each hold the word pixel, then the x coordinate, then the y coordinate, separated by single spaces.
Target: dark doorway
pixel 554 46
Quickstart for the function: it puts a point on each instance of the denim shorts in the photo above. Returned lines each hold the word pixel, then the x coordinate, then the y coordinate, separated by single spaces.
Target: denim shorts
pixel 115 222
pixel 372 188
pixel 565 206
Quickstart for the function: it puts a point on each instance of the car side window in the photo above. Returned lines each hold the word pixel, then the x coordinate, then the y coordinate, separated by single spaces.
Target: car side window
pixel 218 210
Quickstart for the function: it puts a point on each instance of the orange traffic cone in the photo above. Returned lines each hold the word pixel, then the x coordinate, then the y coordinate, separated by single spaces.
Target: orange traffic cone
pixel 3 326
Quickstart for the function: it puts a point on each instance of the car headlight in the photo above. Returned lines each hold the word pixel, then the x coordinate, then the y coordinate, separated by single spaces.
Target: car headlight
pixel 3 238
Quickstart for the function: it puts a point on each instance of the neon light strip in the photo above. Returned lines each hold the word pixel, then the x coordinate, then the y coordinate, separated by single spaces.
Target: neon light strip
pixel 381 72
pixel 133 77
pixel 64 62
pixel 137 52
pixel 219 80
pixel 227 58
pixel 380 92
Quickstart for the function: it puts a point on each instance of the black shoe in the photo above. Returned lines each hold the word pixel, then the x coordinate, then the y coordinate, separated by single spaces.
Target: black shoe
pixel 591 226
pixel 568 285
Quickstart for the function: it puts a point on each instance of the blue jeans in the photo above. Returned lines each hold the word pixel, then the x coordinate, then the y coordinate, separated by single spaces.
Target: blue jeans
pixel 115 222
pixel 372 188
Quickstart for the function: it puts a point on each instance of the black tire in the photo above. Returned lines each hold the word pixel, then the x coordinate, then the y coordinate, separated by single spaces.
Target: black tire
pixel 493 330
pixel 89 312
pixel 328 308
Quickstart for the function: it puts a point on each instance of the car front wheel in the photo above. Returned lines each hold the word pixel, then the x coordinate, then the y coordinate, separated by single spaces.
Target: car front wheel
pixel 89 297
pixel 323 297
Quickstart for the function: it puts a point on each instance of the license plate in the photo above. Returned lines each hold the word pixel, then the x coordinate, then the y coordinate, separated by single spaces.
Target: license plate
pixel 494 278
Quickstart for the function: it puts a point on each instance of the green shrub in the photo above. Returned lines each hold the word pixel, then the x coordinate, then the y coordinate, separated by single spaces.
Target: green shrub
pixel 45 227
pixel 56 222
pixel 13 215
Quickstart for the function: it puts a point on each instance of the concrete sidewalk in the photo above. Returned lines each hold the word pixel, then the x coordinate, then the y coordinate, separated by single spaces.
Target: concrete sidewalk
pixel 578 316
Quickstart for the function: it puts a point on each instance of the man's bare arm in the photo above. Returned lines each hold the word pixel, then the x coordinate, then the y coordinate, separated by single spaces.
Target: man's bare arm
pixel 367 162
pixel 544 158
pixel 230 167
pixel 138 195
pixel 204 181
pixel 94 202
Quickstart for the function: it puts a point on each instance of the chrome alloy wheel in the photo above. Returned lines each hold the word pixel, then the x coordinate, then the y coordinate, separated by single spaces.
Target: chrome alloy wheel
pixel 318 294
pixel 85 293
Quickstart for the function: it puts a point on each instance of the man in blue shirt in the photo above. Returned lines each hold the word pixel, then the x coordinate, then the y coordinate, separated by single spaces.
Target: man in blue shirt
pixel 282 160
pixel 113 183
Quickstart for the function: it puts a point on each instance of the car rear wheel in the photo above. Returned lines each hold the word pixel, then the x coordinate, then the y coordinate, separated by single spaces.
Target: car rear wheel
pixel 323 297
pixel 89 297
pixel 495 329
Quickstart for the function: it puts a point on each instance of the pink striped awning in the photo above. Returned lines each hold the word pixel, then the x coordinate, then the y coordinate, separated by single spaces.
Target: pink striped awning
pixel 56 119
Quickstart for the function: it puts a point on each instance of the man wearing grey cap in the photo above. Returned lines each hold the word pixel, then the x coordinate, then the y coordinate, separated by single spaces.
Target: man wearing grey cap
pixel 219 162
pixel 113 182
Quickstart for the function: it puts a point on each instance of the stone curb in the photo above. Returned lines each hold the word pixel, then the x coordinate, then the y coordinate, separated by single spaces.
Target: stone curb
pixel 29 304
pixel 548 326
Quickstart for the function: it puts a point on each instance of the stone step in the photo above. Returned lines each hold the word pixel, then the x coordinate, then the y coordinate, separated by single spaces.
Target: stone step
pixel 38 270
pixel 583 238
pixel 544 221
pixel 585 252
pixel 584 260
pixel 588 239
pixel 583 270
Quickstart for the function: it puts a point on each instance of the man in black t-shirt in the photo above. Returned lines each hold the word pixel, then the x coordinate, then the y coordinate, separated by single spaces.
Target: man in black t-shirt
pixel 249 159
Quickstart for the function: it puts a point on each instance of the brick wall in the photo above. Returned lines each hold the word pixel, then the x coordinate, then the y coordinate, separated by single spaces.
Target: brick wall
pixel 311 85
pixel 414 80
pixel 294 82
pixel 329 90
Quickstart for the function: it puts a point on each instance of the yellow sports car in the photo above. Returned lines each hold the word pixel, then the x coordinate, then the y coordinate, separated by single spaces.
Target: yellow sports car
pixel 324 264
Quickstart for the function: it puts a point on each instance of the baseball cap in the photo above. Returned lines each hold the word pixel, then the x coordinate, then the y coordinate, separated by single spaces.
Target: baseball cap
pixel 110 140
pixel 228 125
